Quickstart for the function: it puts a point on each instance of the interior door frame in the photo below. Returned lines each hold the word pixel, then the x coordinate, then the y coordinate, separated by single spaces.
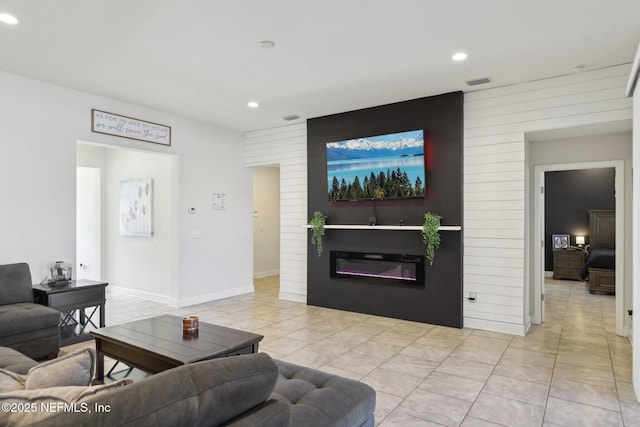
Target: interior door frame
pixel 538 234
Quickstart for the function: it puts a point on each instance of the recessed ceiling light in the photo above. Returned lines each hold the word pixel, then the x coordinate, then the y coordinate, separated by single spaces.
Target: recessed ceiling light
pixel 253 104
pixel 8 19
pixel 266 44
pixel 459 56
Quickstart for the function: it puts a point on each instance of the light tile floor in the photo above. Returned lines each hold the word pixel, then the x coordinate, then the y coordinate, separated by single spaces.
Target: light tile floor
pixel 570 371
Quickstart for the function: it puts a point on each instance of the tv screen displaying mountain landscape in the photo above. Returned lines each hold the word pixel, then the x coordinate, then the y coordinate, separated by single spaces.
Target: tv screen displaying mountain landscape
pixel 377 167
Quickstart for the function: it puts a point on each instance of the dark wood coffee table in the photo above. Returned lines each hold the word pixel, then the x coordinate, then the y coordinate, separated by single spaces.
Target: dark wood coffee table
pixel 158 343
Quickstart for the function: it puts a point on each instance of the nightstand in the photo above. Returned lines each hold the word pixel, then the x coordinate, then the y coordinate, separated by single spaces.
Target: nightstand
pixel 567 264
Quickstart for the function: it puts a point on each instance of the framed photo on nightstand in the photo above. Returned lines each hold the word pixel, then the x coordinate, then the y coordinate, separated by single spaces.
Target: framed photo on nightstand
pixel 560 241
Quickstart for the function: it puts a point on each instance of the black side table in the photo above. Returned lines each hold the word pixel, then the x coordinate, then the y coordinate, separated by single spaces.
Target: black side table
pixel 76 297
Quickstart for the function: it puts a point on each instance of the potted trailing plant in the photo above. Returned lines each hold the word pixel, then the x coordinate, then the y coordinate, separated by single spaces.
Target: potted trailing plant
pixel 317 230
pixel 430 234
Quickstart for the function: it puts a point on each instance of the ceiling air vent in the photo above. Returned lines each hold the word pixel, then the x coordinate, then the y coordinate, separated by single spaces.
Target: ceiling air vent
pixel 291 117
pixel 482 81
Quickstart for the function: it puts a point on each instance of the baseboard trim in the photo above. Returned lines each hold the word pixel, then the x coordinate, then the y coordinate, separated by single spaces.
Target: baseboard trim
pixel 488 325
pixel 527 325
pixel 293 297
pixel 261 274
pixel 185 302
pixel 151 296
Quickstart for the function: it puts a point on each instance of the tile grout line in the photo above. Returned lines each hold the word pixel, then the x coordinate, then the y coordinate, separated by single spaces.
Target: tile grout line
pixel 485 385
pixel 425 378
pixel 555 358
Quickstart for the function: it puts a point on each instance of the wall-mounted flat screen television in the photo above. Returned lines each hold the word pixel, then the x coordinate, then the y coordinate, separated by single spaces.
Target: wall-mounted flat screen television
pixel 388 166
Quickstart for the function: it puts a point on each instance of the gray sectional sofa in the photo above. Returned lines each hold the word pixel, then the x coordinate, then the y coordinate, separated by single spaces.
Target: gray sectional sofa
pixel 30 328
pixel 239 391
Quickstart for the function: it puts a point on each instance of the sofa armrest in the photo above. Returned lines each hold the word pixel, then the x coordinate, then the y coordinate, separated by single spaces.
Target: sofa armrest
pixel 271 413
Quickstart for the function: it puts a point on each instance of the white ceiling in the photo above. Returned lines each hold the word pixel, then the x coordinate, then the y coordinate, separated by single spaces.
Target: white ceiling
pixel 199 58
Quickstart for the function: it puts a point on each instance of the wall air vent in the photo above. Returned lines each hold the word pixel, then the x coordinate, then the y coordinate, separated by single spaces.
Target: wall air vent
pixel 291 117
pixel 481 81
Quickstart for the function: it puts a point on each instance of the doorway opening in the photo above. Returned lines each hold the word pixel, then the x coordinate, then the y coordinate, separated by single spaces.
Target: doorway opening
pixel 266 226
pixel 139 266
pixel 88 223
pixel 540 235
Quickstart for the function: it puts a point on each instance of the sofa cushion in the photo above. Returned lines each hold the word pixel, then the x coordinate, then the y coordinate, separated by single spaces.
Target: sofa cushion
pixel 74 369
pixel 10 381
pixel 271 413
pixel 15 283
pixel 14 361
pixel 23 318
pixel 36 406
pixel 319 398
pixel 206 393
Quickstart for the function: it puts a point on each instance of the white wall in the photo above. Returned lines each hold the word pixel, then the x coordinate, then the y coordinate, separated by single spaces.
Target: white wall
pixel 41 124
pixel 138 264
pixel 589 149
pixel 287 146
pixel 266 221
pixel 496 229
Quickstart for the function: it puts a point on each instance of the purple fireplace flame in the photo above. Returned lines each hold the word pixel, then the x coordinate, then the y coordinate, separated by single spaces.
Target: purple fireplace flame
pixel 385 267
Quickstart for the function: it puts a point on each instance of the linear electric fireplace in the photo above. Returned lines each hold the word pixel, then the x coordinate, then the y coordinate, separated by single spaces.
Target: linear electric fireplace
pixel 407 269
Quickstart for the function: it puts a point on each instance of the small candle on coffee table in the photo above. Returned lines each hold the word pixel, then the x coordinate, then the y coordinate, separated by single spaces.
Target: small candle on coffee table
pixel 190 324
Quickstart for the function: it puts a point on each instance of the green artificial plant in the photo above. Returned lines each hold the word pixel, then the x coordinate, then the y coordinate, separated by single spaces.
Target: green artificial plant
pixel 317 230
pixel 430 234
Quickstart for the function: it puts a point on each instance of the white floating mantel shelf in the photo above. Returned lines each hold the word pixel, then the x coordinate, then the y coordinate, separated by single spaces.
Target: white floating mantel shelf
pixel 386 227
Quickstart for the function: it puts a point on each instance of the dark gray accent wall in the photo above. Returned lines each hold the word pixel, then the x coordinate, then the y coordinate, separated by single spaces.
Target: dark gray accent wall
pixel 568 196
pixel 439 301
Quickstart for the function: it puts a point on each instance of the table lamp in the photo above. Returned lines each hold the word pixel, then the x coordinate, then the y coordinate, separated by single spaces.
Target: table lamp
pixel 580 241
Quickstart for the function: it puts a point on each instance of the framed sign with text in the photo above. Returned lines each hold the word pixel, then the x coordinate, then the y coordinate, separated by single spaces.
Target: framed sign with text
pixel 128 127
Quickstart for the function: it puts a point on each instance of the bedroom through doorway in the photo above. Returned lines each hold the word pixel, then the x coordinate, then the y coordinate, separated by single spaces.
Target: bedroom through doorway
pixel 558 238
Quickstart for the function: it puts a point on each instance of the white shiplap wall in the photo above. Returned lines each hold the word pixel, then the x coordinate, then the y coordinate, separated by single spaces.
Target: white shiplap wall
pixel 287 147
pixel 496 122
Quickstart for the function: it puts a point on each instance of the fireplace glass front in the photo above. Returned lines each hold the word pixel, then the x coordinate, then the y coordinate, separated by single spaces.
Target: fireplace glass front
pixel 388 267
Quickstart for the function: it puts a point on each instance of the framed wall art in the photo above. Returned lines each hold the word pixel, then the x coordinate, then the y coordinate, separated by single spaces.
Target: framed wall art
pixel 560 241
pixel 136 207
